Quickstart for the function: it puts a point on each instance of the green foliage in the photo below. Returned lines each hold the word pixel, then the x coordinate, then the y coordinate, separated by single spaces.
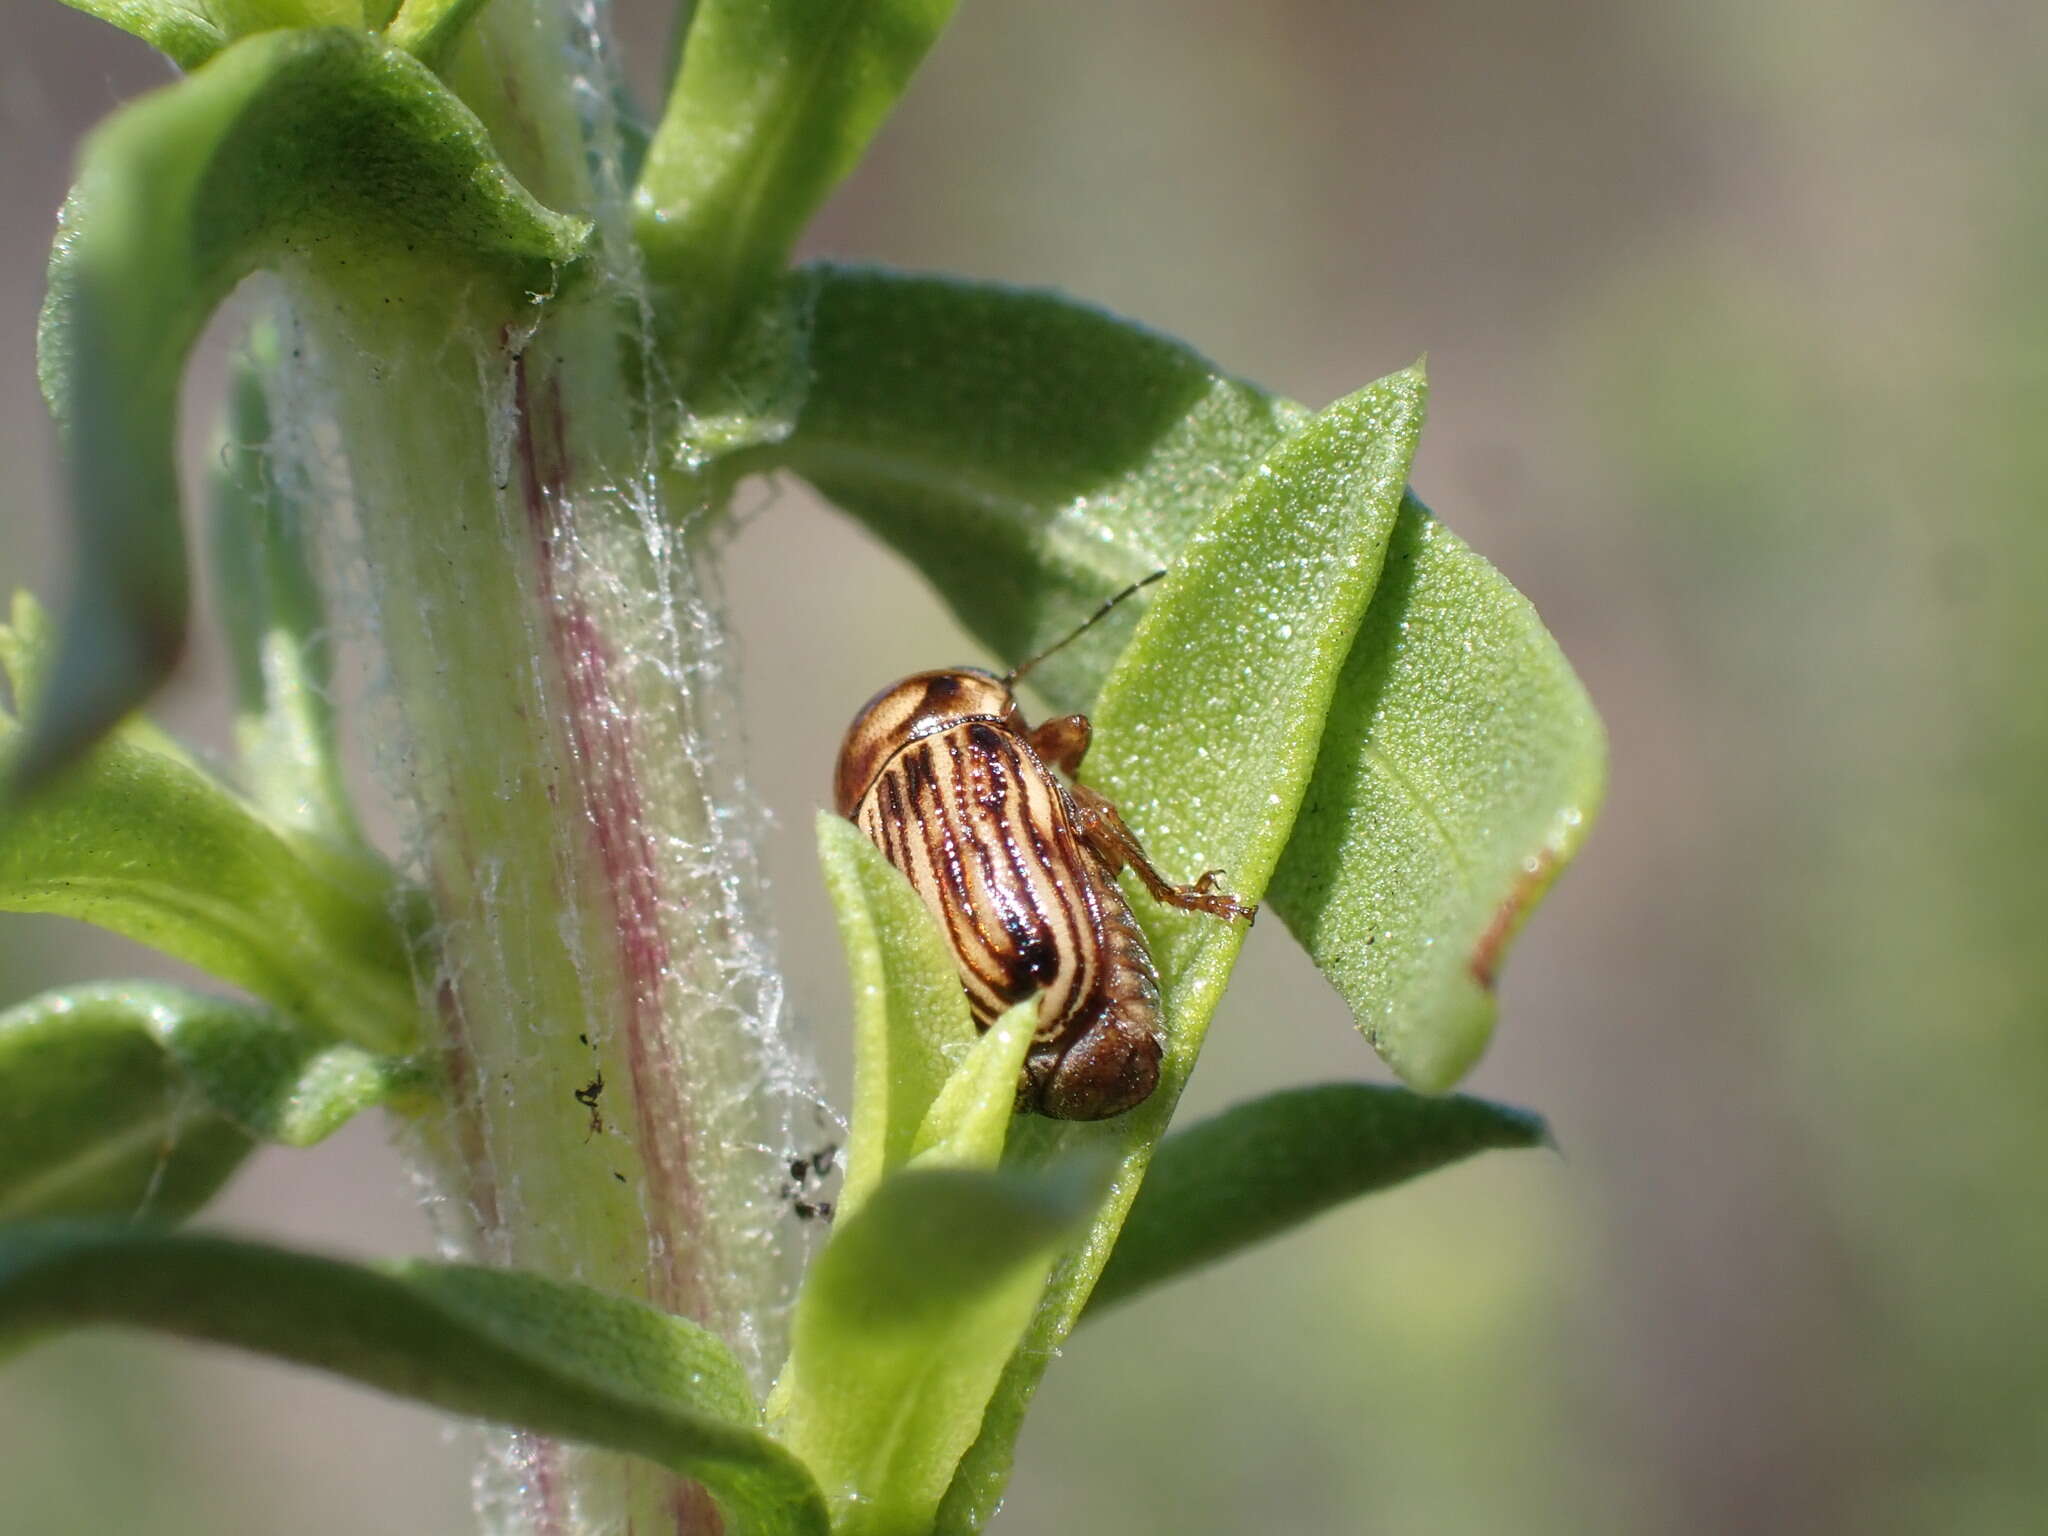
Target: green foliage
pixel 1329 698
pixel 1031 455
pixel 1260 1168
pixel 99 1120
pixel 1262 609
pixel 140 1100
pixel 911 1314
pixel 429 29
pixel 969 1122
pixel 1461 767
pixel 862 1371
pixel 318 147
pixel 905 1324
pixel 910 1020
pixel 275 619
pixel 774 103
pixel 511 1348
pixel 139 839
pixel 184 34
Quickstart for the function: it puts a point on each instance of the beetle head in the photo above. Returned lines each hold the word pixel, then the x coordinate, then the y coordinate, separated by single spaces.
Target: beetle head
pixel 918 706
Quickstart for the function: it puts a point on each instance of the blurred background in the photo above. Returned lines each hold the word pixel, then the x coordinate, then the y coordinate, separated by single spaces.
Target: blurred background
pixel 1739 354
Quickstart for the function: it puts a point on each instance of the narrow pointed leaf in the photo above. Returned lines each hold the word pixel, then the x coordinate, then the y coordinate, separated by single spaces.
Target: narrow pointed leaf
pixel 969 1121
pixel 499 1345
pixel 911 1026
pixel 772 106
pixel 903 1329
pixel 139 839
pixel 1260 1168
pixel 320 147
pixel 1207 732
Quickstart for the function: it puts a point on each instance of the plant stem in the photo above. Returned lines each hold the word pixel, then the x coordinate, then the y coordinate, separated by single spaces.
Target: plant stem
pixel 623 1096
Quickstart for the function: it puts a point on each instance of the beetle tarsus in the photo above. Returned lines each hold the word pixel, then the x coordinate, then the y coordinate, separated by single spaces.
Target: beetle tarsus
pixel 1102 828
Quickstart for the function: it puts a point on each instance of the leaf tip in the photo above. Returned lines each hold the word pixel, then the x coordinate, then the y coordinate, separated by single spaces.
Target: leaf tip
pixel 1491 947
pixel 1522 1127
pixel 1436 1061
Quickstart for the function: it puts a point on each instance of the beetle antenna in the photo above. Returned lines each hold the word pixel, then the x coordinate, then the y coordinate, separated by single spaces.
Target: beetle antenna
pixel 1010 677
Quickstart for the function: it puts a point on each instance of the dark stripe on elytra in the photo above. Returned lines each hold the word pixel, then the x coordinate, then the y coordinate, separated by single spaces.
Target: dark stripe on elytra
pixel 1107 967
pixel 1040 957
pixel 892 822
pixel 1024 828
pixel 883 807
pixel 970 947
pixel 1083 899
pixel 1079 923
pixel 969 826
pixel 897 826
pixel 1062 923
pixel 940 846
pixel 962 844
pixel 1027 943
pixel 1032 951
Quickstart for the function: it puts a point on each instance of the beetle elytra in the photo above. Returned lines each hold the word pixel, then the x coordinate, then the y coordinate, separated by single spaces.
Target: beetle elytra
pixel 944 775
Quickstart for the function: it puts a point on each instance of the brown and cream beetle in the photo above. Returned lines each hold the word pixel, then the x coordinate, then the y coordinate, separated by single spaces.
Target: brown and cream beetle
pixel 945 777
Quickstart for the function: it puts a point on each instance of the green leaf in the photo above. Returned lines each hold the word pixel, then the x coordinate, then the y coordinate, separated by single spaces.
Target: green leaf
pixel 185 34
pixel 904 1324
pixel 773 105
pixel 903 1327
pixel 501 1345
pixel 1461 768
pixel 911 1026
pixel 1208 728
pixel 1207 732
pixel 96 1119
pixel 139 1100
pixel 1260 1168
pixel 239 18
pixel 140 840
pixel 1031 455
pixel 276 620
pixel 275 1079
pixel 324 150
pixel 430 29
pixel 969 1122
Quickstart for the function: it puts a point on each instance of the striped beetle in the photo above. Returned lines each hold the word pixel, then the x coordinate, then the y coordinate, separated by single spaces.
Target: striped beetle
pixel 945 777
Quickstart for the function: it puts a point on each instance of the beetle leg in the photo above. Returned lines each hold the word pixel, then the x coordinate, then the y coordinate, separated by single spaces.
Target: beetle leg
pixel 1102 829
pixel 1063 742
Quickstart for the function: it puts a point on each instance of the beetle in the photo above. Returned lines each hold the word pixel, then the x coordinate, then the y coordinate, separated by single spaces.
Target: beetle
pixel 945 776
